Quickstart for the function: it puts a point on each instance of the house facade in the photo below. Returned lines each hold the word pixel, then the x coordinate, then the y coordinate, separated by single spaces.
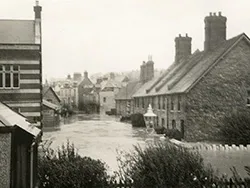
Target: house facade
pixel 107 95
pixel 21 66
pixel 196 92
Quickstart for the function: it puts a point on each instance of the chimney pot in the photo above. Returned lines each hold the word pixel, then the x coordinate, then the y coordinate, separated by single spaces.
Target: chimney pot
pixel 179 35
pixel 219 13
pixel 186 35
pixel 214 13
pixel 210 13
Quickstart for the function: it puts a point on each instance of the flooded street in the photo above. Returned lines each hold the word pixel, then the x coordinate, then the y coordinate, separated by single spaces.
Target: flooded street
pixel 98 136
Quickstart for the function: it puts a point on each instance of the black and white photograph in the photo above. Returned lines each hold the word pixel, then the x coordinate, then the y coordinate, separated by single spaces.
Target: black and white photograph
pixel 124 94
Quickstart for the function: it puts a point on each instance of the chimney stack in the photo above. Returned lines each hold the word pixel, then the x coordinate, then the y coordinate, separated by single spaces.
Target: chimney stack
pixel 182 47
pixel 149 69
pixel 215 30
pixel 85 74
pixel 38 35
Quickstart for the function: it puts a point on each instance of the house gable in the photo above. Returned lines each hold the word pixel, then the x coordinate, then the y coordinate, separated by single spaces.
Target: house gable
pixel 220 91
pixel 50 95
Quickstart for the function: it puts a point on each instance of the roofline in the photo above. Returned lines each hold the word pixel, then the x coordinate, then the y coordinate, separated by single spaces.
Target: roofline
pixel 53 93
pixel 20 44
pixel 243 35
pixel 16 19
pixel 13 110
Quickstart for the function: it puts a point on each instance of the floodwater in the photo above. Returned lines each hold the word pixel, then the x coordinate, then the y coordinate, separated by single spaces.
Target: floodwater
pixel 100 136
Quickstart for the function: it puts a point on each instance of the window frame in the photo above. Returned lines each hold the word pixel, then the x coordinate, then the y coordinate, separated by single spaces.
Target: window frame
pixel 172 104
pixel 12 72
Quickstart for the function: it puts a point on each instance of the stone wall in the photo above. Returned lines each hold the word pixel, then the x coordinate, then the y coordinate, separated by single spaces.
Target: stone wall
pixel 5 157
pixel 220 92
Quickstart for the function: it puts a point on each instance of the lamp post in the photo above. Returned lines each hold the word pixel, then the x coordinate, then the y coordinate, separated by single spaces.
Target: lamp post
pixel 150 118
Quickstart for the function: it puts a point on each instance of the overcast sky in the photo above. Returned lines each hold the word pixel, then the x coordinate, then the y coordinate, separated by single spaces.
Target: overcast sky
pixel 117 35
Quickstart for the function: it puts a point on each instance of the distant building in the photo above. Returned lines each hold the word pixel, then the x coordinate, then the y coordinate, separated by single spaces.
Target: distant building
pixel 123 99
pixel 68 94
pixel 50 95
pixel 199 89
pixel 88 97
pixel 108 93
pixel 21 65
pixel 77 77
pixel 51 107
pixel 19 141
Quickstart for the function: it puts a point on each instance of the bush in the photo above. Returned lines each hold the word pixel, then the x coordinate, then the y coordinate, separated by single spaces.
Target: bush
pixel 235 128
pixel 164 165
pixel 65 168
pixel 137 120
pixel 160 130
pixel 173 133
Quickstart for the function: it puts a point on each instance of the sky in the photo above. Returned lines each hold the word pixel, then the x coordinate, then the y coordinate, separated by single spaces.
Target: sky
pixel 118 35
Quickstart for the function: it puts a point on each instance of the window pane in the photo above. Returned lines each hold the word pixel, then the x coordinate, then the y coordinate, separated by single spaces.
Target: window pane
pixel 15 80
pixel 1 67
pixel 1 79
pixel 7 79
pixel 7 67
pixel 15 67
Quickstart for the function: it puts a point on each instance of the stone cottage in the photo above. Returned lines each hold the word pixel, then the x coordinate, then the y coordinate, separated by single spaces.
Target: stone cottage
pixel 198 89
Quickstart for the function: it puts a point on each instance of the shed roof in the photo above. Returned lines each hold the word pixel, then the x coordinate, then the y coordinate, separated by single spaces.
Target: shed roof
pixel 10 118
pixel 50 105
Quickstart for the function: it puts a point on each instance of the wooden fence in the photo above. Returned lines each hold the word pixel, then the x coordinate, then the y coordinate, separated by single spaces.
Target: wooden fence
pixel 222 183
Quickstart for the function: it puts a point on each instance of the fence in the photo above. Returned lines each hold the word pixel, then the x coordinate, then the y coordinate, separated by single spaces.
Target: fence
pixel 220 183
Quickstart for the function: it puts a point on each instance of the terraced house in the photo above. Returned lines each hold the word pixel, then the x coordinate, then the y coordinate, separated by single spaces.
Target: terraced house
pixel 198 89
pixel 21 65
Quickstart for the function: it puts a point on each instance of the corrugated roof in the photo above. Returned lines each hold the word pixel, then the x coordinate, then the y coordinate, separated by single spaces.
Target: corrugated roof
pixel 127 91
pixel 10 118
pixel 181 76
pixel 17 31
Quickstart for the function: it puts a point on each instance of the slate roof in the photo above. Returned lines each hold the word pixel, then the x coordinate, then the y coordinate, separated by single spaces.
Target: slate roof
pixel 127 91
pixel 47 88
pixel 17 31
pixel 181 77
pixel 9 118
pixel 111 83
pixel 86 82
pixel 50 105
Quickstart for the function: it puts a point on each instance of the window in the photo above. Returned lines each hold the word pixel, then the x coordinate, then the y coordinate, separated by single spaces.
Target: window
pixel 153 101
pixel 163 122
pixel 172 104
pixel 143 103
pixel 248 97
pixel 49 100
pixel 159 102
pixel 173 124
pixel 179 103
pixel 9 76
pixel 104 99
pixel 164 103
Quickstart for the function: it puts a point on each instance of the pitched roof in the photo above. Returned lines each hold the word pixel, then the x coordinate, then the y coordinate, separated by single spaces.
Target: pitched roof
pixel 10 118
pixel 50 105
pixel 182 76
pixel 17 31
pixel 111 83
pixel 48 88
pixel 86 82
pixel 127 91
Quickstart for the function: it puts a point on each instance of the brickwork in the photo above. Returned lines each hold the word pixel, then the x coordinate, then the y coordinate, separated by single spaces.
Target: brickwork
pixel 5 156
pixel 221 91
